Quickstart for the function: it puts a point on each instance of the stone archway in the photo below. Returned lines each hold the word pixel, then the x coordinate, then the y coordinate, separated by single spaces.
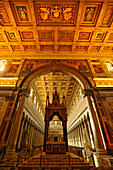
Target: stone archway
pixel 24 86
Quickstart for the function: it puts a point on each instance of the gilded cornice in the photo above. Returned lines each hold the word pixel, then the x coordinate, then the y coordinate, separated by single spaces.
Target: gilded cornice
pixel 55 56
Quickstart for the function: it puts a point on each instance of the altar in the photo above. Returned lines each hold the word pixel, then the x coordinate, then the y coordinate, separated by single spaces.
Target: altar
pixel 55 147
pixel 55 143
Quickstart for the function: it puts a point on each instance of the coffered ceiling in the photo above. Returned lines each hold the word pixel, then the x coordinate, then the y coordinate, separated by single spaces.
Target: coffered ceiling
pixel 64 83
pixel 58 26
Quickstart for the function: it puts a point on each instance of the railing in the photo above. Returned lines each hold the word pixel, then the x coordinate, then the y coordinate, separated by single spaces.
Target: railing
pixel 81 151
pixel 3 152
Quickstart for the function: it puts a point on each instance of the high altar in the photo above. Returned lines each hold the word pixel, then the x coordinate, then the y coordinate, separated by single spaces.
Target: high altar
pixel 55 144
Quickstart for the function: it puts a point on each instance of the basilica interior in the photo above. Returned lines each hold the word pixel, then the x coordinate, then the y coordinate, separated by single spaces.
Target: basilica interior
pixel 56 84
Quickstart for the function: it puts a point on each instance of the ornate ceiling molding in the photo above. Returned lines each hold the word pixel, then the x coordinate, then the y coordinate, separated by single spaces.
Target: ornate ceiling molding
pixel 54 56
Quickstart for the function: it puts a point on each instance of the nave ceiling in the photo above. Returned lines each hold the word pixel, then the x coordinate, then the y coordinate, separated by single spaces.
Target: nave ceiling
pixel 65 84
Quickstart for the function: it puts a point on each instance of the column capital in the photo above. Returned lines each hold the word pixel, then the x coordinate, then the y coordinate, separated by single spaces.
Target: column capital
pixel 25 92
pixel 87 92
pixel 8 98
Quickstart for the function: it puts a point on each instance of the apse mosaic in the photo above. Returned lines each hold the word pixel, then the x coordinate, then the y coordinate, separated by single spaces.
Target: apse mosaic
pixel 56 13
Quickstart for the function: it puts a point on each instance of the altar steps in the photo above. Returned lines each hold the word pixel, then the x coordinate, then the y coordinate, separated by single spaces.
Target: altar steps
pixel 55 162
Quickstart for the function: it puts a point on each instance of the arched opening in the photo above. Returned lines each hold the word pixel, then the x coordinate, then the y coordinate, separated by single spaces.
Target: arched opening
pixel 44 80
pixel 70 83
pixel 55 131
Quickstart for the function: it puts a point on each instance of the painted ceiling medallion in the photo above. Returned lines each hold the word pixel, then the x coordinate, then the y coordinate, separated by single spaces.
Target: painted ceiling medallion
pixel 56 13
pixel 4 18
pixel 21 13
pixel 90 15
pixel 108 16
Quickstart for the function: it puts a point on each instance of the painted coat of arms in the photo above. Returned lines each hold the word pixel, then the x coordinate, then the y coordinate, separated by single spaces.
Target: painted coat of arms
pixel 56 13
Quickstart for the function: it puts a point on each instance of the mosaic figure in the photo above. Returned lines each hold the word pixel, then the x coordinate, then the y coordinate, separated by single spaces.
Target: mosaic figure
pixel 13 68
pixel 98 68
pixel 82 67
pixel 29 66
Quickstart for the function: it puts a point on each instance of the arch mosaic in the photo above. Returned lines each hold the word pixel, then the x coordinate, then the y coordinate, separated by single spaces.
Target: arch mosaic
pixel 80 77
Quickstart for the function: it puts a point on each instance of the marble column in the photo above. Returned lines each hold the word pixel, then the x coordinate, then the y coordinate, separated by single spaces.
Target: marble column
pixel 81 136
pixel 21 131
pixel 80 139
pixel 31 139
pixel 88 142
pixel 84 138
pixel 30 131
pixel 4 108
pixel 91 132
pixel 16 127
pixel 97 134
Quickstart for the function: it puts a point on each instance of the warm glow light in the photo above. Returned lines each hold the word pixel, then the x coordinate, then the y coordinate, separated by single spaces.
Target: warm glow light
pixel 35 100
pixel 37 105
pixel 109 66
pixel 31 92
pixel 55 122
pixel 2 64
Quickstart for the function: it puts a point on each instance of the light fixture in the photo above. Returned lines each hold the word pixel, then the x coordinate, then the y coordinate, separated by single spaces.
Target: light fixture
pixel 2 64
